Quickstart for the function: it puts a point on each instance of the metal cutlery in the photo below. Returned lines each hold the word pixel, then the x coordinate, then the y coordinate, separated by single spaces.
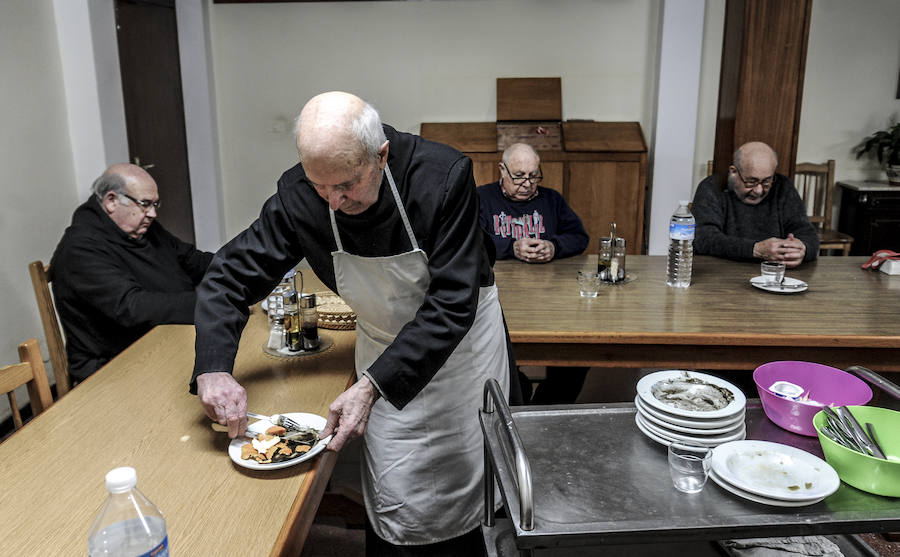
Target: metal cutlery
pixel 842 428
pixel 277 419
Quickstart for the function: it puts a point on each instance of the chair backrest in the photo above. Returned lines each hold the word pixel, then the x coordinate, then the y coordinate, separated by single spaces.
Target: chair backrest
pixel 815 184
pixel 55 345
pixel 30 372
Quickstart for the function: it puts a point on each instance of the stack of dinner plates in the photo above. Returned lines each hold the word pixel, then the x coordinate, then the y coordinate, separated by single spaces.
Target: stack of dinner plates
pixel 687 407
pixel 772 473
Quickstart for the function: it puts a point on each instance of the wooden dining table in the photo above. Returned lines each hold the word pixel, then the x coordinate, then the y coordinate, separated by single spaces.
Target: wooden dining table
pixel 847 316
pixel 137 411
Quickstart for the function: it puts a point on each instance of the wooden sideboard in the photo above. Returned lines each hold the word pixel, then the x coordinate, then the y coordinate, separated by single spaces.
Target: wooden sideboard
pixel 601 170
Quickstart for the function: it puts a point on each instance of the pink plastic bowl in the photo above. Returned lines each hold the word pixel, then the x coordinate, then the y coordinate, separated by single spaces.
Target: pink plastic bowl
pixel 825 385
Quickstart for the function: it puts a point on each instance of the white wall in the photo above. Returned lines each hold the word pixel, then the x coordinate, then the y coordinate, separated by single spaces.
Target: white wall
pixel 37 177
pixel 850 87
pixel 416 62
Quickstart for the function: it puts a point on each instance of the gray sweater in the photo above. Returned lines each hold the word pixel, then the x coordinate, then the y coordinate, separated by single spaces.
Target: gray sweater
pixel 728 228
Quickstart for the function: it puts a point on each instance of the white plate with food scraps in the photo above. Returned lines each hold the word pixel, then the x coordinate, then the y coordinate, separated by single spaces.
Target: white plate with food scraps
pixel 702 440
pixel 789 286
pixel 690 394
pixel 309 420
pixel 774 470
pixel 700 427
pixel 758 498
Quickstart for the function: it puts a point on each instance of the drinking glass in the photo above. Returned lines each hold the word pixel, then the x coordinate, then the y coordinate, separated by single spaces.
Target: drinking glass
pixel 689 467
pixel 772 272
pixel 588 283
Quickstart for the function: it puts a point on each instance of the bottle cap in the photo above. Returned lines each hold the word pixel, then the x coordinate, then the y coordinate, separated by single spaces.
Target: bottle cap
pixel 308 301
pixel 120 480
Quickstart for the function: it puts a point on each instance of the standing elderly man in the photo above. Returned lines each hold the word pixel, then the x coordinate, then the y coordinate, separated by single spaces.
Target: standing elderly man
pixel 758 216
pixel 533 224
pixel 117 272
pixel 389 221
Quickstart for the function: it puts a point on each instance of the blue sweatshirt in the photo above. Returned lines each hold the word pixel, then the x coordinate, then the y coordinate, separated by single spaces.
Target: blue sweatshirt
pixel 547 216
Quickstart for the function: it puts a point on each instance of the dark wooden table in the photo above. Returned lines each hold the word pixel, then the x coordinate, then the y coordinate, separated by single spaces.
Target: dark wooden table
pixel 847 316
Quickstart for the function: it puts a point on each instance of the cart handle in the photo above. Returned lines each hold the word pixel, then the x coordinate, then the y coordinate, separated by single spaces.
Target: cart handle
pixel 875 379
pixel 493 396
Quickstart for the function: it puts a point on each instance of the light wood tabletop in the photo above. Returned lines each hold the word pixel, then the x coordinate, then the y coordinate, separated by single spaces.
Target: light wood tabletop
pixel 137 411
pixel 847 316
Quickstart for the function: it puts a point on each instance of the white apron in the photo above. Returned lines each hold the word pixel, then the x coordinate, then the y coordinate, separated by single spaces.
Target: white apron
pixel 423 466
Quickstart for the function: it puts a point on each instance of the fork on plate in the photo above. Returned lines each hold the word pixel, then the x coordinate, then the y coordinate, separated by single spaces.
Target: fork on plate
pixel 277 419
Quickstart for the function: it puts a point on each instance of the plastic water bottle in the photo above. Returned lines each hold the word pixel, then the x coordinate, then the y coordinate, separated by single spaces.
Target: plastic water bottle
pixel 128 524
pixel 681 247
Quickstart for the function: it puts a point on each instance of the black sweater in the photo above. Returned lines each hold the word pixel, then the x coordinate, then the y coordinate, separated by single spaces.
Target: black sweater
pixel 728 228
pixel 546 217
pixel 438 192
pixel 110 289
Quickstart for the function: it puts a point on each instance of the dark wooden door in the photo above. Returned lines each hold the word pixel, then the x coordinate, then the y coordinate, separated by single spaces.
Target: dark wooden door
pixel 761 84
pixel 154 110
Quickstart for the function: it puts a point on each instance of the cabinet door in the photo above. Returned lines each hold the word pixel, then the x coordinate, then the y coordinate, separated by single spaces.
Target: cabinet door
pixel 553 176
pixel 606 191
pixel 485 171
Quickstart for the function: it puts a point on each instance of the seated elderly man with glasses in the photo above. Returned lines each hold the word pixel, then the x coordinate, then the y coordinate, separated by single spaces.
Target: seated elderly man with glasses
pixel 526 221
pixel 535 225
pixel 756 215
pixel 117 272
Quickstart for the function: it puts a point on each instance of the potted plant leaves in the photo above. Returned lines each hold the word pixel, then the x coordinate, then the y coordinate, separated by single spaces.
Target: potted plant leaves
pixel 885 146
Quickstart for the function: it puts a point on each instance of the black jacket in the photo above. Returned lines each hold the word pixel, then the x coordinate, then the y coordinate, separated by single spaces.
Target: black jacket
pixel 438 192
pixel 110 289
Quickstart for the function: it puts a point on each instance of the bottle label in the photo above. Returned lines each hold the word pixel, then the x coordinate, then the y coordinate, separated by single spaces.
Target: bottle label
pixel 162 550
pixel 681 231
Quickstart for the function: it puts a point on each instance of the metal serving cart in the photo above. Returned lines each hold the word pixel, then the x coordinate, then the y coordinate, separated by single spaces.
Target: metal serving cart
pixel 584 476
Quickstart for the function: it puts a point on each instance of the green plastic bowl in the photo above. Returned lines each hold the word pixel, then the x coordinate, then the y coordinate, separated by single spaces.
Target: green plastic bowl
pixel 874 475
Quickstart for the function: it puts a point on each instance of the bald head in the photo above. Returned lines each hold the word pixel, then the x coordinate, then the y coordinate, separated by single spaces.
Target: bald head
pixel 755 153
pixel 117 177
pixel 520 172
pixel 753 172
pixel 129 196
pixel 520 151
pixel 338 129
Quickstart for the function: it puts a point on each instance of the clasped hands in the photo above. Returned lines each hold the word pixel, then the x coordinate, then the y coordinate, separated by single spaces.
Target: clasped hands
pixel 788 250
pixel 225 402
pixel 533 250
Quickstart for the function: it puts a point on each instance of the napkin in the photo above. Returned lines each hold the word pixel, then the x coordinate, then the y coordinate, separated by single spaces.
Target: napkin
pixel 815 546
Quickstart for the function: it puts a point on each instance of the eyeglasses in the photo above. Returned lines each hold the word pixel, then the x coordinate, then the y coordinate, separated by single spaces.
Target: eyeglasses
pixel 144 204
pixel 766 183
pixel 519 180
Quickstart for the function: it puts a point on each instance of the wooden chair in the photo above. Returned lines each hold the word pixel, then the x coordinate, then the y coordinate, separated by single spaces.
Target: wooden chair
pixel 57 348
pixel 30 372
pixel 815 183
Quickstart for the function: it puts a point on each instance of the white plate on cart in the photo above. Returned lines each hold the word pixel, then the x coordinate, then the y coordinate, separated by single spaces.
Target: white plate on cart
pixel 758 498
pixel 302 418
pixel 774 471
pixel 789 286
pixel 702 440
pixel 649 434
pixel 676 431
pixel 661 439
pixel 699 427
pixel 732 409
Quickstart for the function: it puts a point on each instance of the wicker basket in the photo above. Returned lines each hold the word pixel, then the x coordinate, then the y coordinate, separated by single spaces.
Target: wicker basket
pixel 333 312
